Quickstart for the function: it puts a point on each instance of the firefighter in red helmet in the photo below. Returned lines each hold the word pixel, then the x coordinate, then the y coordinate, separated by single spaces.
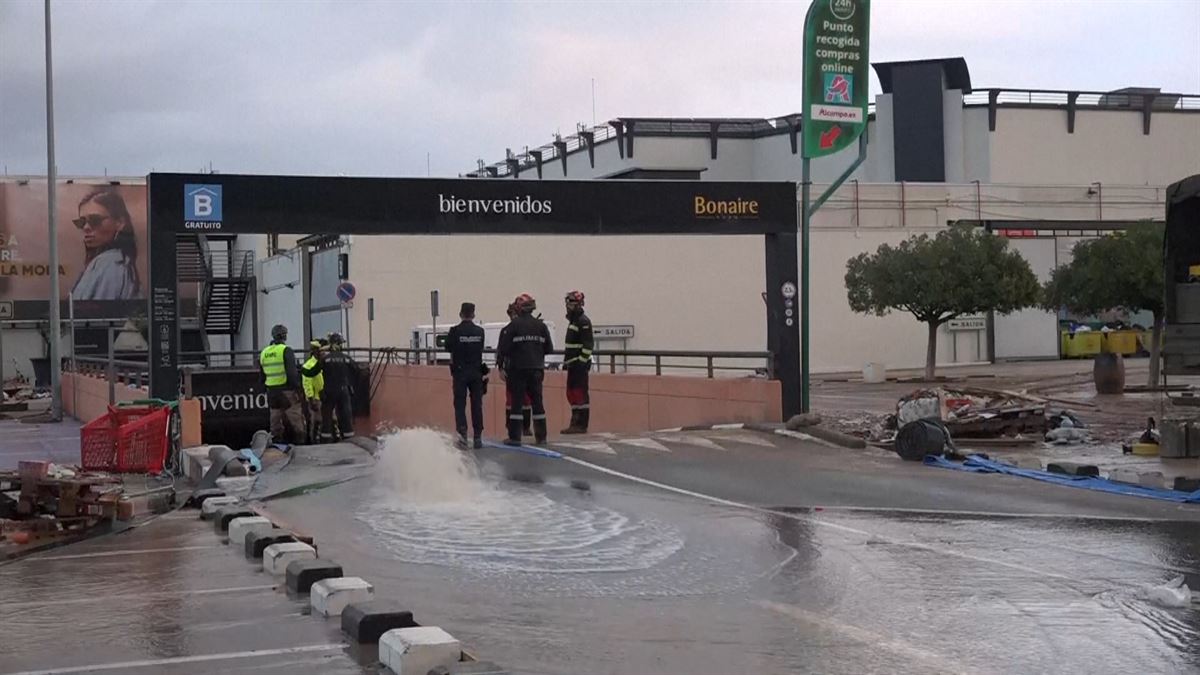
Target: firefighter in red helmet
pixel 524 347
pixel 577 359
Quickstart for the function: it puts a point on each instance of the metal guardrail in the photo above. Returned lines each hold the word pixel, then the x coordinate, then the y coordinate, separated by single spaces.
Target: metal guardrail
pixel 625 360
pixel 1084 99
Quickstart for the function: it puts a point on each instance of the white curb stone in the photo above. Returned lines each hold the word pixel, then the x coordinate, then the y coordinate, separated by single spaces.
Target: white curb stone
pixel 240 527
pixel 210 506
pixel 277 556
pixel 328 597
pixel 416 651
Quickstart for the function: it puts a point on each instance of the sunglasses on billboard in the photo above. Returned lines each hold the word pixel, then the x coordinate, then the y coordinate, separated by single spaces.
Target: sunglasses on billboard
pixel 93 219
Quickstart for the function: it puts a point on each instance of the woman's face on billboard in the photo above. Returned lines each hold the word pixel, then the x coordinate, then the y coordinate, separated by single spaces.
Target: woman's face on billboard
pixel 97 224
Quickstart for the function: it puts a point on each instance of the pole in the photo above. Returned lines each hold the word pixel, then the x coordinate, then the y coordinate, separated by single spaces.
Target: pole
pixel 805 217
pixel 51 215
pixel 74 365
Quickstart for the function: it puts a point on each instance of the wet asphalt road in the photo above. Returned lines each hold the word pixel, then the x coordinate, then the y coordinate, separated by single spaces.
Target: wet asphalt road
pixel 791 557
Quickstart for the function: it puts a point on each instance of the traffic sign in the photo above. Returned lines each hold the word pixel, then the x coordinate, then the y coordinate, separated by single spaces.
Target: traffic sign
pixel 346 292
pixel 837 73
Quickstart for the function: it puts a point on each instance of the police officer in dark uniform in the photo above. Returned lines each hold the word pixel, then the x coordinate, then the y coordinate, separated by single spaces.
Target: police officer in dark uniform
pixel 340 373
pixel 577 359
pixel 524 346
pixel 465 343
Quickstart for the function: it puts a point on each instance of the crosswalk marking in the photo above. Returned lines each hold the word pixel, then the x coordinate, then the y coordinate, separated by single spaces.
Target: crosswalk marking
pixel 648 443
pixel 684 439
pixel 746 439
pixel 591 446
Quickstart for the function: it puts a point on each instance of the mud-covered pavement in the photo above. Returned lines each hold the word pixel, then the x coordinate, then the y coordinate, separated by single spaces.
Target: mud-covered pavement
pixel 681 556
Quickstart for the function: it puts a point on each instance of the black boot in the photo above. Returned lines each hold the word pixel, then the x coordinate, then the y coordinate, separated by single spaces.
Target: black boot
pixel 514 433
pixel 573 427
pixel 539 431
pixel 525 424
pixel 585 416
pixel 461 441
pixel 478 443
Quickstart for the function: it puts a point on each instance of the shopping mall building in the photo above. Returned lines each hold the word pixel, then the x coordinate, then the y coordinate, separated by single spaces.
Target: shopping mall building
pixel 1042 168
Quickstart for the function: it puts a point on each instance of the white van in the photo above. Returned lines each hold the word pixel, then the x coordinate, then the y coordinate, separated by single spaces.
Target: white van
pixel 423 337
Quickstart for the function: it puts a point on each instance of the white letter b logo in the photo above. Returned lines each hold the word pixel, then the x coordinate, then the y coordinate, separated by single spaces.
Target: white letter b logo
pixel 202 206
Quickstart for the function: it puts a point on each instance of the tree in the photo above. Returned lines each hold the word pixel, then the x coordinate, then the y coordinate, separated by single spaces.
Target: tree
pixel 1122 271
pixel 961 270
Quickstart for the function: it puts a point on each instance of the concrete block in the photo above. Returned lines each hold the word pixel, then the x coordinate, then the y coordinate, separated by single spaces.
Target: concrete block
pixel 366 622
pixel 257 542
pixel 208 510
pixel 1123 476
pixel 240 527
pixel 470 668
pixel 276 557
pixel 225 514
pixel 416 651
pixel 1152 479
pixel 195 462
pixel 237 485
pixel 1186 484
pixel 198 497
pixel 329 597
pixel 302 574
pixel 1073 469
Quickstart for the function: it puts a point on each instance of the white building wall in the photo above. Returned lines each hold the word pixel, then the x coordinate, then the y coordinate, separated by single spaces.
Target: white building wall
pixel 704 292
pixel 977 146
pixel 1033 146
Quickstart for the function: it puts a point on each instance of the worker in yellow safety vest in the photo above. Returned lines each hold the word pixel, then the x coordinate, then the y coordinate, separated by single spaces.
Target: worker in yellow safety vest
pixel 277 363
pixel 314 385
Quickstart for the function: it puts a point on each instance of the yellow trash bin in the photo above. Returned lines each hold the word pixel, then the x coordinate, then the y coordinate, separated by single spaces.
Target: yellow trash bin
pixel 1084 345
pixel 1124 342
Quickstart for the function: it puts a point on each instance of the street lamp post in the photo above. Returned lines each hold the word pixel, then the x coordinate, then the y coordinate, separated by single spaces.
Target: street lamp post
pixel 51 208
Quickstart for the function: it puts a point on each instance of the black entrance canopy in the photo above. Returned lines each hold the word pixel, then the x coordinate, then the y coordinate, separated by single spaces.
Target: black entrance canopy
pixel 244 204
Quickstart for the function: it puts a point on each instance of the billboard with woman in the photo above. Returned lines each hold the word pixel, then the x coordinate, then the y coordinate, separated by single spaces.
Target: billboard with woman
pixel 101 248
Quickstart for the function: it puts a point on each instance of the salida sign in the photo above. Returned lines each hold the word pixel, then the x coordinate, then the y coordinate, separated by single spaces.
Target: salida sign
pixel 836 74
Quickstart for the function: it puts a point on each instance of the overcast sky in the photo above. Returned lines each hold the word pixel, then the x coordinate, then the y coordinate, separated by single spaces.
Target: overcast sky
pixel 368 88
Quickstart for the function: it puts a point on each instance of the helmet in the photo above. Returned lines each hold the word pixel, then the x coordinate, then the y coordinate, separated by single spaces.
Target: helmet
pixel 525 303
pixel 335 338
pixel 314 344
pixel 575 297
pixel 279 332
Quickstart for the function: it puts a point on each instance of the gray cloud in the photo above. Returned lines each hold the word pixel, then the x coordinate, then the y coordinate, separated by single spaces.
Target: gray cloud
pixel 368 88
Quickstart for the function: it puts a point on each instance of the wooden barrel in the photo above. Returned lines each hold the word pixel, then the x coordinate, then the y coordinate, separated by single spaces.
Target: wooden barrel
pixel 1108 372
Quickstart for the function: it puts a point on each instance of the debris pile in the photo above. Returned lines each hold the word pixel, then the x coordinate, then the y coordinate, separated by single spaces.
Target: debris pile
pixel 42 501
pixel 17 392
pixel 969 412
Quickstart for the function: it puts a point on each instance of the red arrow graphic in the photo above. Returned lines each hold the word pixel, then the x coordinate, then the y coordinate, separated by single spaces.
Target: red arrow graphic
pixel 828 137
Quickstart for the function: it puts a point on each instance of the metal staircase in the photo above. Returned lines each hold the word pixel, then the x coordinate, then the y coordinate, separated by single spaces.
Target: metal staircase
pixel 224 276
pixel 226 290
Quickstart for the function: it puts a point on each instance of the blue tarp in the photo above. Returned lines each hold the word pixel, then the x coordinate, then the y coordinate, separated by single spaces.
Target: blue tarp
pixel 977 464
pixel 528 449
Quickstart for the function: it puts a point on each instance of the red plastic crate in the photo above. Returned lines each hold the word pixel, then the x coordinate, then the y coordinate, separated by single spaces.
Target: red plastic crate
pixel 126 440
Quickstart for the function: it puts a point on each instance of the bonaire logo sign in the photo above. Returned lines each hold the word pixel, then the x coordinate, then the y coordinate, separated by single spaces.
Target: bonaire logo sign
pixel 201 206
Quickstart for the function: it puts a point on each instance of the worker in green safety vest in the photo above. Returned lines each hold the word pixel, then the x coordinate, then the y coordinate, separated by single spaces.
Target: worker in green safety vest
pixel 314 385
pixel 277 363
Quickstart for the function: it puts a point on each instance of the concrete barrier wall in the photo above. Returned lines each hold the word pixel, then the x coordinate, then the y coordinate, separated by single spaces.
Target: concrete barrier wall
pixel 85 397
pixel 421 396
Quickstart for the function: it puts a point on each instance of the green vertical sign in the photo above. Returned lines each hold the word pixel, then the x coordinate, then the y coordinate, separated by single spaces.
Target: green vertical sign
pixel 836 74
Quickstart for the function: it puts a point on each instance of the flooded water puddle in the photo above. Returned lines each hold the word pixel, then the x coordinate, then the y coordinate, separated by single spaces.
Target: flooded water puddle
pixel 429 505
